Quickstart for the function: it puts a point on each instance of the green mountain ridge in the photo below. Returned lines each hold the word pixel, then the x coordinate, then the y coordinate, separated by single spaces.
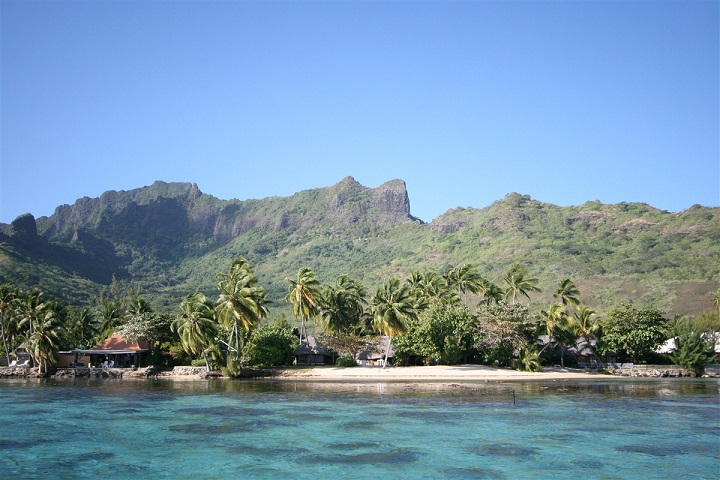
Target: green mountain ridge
pixel 170 239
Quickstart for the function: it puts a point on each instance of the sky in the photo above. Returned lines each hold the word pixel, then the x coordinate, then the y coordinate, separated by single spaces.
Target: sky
pixel 466 101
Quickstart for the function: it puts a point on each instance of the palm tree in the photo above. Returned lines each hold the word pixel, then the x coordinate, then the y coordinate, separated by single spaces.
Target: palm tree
pixel 555 316
pixel 241 303
pixel 337 312
pixel 567 293
pixel 43 342
pixel 110 318
pixel 429 287
pixel 490 292
pixel 392 306
pixel 304 295
pixel 29 308
pixel 196 325
pixel 7 297
pixel 518 283
pixel 465 279
pixel 84 326
pixel 585 323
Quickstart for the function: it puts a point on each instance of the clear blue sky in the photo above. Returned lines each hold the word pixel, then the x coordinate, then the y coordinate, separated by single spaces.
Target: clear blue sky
pixel 566 101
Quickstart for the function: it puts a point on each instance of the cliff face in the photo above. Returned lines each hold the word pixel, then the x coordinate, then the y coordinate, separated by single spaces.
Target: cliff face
pixel 171 214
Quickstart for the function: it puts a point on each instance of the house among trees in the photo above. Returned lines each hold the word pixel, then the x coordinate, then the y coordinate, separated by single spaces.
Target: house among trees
pixel 311 353
pixel 114 352
pixel 374 354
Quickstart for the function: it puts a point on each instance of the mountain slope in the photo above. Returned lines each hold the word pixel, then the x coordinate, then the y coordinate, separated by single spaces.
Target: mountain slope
pixel 171 239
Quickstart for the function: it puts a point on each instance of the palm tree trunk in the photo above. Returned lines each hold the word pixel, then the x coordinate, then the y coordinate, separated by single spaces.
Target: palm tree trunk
pixel 387 351
pixel 207 364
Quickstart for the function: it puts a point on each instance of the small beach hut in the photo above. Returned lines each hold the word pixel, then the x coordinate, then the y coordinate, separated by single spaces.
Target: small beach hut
pixel 115 351
pixel 310 352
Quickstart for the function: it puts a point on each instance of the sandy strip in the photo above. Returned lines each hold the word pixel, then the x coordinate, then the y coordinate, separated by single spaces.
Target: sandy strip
pixel 434 373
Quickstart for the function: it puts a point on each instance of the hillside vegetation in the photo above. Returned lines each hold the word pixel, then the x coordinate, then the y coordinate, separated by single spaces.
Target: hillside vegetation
pixel 170 239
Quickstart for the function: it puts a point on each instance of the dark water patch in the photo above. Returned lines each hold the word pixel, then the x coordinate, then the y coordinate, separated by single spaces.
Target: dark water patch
pixel 506 451
pixel 360 424
pixel 479 473
pixel 10 444
pixel 432 415
pixel 220 411
pixel 346 446
pixel 589 464
pixel 265 452
pixel 385 457
pixel 123 411
pixel 32 412
pixel 656 450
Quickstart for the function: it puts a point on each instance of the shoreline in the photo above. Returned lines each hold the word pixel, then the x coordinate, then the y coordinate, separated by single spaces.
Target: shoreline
pixel 436 373
pixel 425 374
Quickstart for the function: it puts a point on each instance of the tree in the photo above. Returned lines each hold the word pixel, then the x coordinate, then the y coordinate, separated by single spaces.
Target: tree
pixel 553 319
pixel 110 318
pixel 271 345
pixel 518 283
pixel 693 350
pixel 7 297
pixel 391 307
pixel 28 308
pixel 501 330
pixel 585 323
pixel 304 296
pixel 633 333
pixel 490 292
pixel 83 327
pixel 241 302
pixel 428 287
pixel 440 334
pixel 43 342
pixel 196 325
pixel 337 313
pixel 567 293
pixel 464 279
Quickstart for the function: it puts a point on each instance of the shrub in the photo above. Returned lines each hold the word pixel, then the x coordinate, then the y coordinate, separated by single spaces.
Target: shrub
pixel 346 361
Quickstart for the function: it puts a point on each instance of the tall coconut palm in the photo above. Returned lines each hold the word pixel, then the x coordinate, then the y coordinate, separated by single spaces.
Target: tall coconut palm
pixel 567 293
pixel 7 297
pixel 304 296
pixel 337 312
pixel 84 325
pixel 490 292
pixel 585 323
pixel 28 308
pixel 110 318
pixel 241 302
pixel 196 325
pixel 552 318
pixel 44 341
pixel 464 279
pixel 428 287
pixel 518 283
pixel 392 307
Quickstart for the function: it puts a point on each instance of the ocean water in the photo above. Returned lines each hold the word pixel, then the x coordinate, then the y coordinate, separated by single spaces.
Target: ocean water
pixel 127 429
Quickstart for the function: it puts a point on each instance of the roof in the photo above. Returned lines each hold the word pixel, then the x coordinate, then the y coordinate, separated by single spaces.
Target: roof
pixel 310 347
pixel 118 342
pixel 376 351
pixel 115 345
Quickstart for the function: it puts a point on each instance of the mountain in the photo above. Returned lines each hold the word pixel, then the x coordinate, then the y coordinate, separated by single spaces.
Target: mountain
pixel 171 239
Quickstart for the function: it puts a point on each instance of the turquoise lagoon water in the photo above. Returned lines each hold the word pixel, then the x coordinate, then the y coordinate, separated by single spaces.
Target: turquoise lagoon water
pixel 125 429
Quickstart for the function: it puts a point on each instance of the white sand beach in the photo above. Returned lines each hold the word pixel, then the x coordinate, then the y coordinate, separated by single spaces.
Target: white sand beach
pixel 433 373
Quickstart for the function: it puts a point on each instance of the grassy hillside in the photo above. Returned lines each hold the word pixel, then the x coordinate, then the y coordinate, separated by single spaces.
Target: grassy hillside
pixel 171 239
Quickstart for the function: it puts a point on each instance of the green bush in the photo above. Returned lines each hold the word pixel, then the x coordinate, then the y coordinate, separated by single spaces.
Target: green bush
pixel 346 361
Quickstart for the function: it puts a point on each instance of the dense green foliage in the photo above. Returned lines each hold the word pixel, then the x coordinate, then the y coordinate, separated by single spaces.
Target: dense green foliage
pixel 693 347
pixel 633 333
